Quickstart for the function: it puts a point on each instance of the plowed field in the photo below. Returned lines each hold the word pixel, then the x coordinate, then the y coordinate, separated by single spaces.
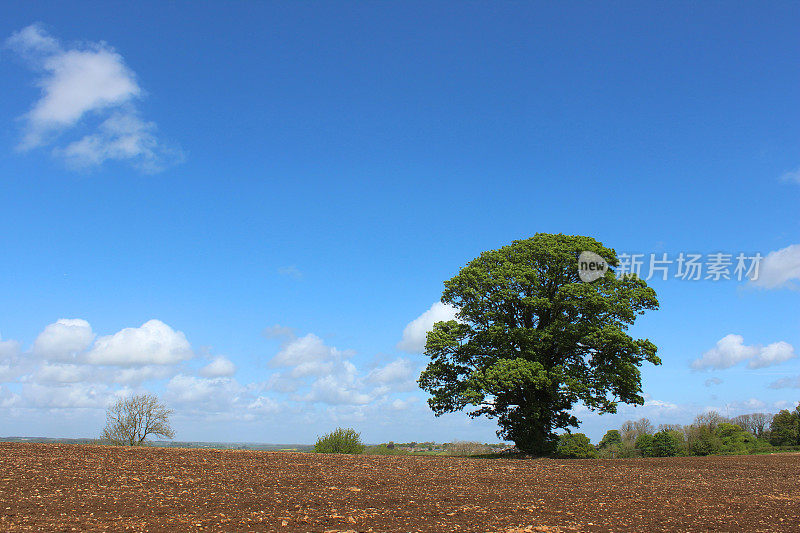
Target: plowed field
pixel 77 488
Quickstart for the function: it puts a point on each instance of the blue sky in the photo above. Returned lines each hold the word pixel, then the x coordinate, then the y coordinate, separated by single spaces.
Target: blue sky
pixel 178 179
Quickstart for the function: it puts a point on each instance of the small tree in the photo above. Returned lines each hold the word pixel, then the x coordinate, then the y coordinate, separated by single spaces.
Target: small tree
pixel 342 440
pixel 575 446
pixel 131 420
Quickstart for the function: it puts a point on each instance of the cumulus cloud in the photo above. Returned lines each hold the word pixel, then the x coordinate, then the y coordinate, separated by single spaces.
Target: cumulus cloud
pixel 779 269
pixel 62 373
pixel 415 333
pixel 731 350
pixel 154 343
pixel 309 356
pixel 712 381
pixel 213 394
pixel 66 396
pixel 342 387
pixel 81 84
pixel 63 339
pixel 219 367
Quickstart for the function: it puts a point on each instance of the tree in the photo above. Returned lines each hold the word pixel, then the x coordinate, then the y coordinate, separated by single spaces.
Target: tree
pixel 785 428
pixel 666 443
pixel 131 420
pixel 644 443
pixel 611 438
pixel 630 430
pixel 755 423
pixel 532 340
pixel 575 446
pixel 709 419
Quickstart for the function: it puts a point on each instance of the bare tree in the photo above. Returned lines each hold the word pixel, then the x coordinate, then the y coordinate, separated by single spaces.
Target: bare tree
pixel 710 418
pixel 131 420
pixel 755 423
pixel 632 429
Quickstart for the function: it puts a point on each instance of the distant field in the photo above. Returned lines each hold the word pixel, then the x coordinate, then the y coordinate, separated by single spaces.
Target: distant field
pixel 83 487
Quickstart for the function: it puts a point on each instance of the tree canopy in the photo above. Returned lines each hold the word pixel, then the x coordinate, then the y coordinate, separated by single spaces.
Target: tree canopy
pixel 532 340
pixel 130 421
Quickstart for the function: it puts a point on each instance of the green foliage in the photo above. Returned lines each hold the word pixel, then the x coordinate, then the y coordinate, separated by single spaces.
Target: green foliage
pixel 666 443
pixel 532 340
pixel 785 428
pixel 575 446
pixel 611 438
pixel 384 449
pixel 702 440
pixel 644 443
pixel 340 441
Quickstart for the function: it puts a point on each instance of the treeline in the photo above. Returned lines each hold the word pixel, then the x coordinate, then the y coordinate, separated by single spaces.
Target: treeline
pixel 710 434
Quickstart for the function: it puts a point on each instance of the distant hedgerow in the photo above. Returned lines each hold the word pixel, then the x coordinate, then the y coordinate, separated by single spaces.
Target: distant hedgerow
pixel 342 440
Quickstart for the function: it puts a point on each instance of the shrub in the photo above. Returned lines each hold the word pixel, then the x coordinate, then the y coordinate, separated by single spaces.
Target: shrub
pixel 575 446
pixel 340 441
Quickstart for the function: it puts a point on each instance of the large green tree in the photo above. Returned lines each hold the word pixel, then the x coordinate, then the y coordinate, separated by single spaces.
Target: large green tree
pixel 532 340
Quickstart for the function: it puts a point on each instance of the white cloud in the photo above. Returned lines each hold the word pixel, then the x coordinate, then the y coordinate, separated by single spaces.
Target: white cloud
pixel 779 269
pixel 139 374
pixel 154 343
pixel 63 339
pixel 219 367
pixel 792 176
pixel 8 349
pixel 62 373
pixel 264 405
pixel 214 394
pixel 415 333
pixel 712 381
pixel 772 354
pixel 66 396
pixel 309 356
pixel 343 388
pixel 731 350
pixel 81 84
pixel 786 383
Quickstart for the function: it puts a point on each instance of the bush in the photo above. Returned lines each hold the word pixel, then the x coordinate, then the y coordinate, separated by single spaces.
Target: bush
pixel 340 441
pixel 575 446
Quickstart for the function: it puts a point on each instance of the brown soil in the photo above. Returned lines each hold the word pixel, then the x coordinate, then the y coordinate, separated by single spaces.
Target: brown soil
pixel 77 488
